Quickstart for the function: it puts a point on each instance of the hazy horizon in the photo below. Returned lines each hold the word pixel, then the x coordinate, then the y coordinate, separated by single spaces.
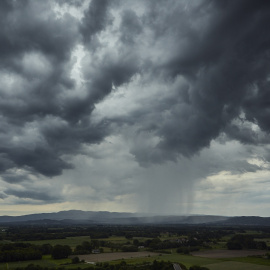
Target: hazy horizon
pixel 137 214
pixel 135 106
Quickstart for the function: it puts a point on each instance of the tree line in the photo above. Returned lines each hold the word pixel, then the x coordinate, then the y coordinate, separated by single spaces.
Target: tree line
pixel 24 252
pixel 155 265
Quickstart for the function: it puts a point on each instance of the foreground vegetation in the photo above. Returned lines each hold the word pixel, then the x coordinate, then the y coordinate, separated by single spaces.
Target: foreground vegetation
pixel 54 247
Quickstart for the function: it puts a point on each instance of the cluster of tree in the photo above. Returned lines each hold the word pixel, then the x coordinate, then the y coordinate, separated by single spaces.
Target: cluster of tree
pixel 33 233
pixel 61 251
pixel 136 231
pixel 154 244
pixel 156 265
pixel 98 235
pixel 24 251
pixel 129 248
pixel 47 232
pixel 84 248
pixel 19 252
pixel 245 241
pixel 157 244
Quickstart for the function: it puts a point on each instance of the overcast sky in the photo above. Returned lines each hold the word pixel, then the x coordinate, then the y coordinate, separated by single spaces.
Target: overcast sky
pixel 138 106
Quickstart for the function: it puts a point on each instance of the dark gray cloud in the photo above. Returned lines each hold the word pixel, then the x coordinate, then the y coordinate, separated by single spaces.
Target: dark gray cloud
pixel 96 18
pixel 33 195
pixel 232 62
pixel 3 196
pixel 76 3
pixel 222 50
pixel 26 30
pixel 130 27
pixel 35 54
pixel 178 75
pixel 33 95
pixel 15 177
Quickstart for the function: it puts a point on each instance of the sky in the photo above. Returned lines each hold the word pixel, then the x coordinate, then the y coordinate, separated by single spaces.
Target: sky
pixel 135 106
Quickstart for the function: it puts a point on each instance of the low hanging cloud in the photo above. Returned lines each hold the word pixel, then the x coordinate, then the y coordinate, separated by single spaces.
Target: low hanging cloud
pixel 168 77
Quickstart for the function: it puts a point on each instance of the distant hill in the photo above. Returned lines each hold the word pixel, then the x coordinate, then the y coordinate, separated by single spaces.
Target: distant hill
pixel 67 215
pixel 104 217
pixel 250 221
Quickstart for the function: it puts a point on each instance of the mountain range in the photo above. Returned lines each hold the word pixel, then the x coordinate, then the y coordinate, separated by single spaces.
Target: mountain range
pixel 104 217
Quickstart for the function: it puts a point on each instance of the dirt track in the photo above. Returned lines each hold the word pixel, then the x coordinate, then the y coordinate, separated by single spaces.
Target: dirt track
pixel 227 253
pixel 105 257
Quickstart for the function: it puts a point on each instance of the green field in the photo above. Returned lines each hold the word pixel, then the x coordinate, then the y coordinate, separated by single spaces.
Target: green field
pixel 117 239
pixel 219 245
pixel 236 266
pixel 184 259
pixel 253 260
pixel 247 263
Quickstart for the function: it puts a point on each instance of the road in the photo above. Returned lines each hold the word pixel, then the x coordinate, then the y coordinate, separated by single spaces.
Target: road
pixel 176 266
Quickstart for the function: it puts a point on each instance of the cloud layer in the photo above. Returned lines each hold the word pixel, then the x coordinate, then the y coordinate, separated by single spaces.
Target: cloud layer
pixel 154 88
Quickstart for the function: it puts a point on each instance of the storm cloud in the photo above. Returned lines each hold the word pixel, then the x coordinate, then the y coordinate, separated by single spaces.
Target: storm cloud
pixel 150 84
